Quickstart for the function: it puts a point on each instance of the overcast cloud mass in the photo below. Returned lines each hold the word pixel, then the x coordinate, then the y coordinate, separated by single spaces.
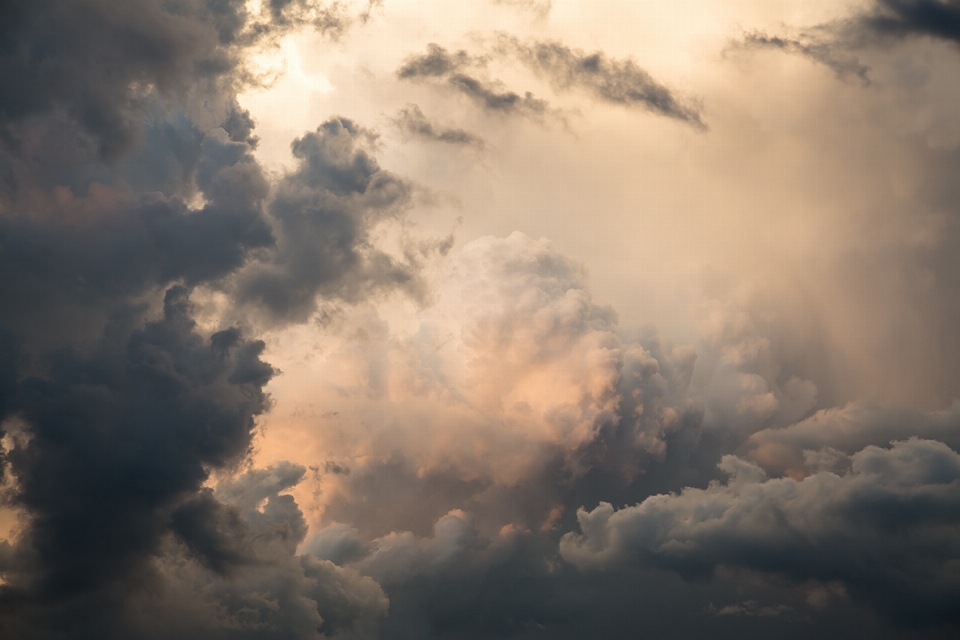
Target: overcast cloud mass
pixel 489 319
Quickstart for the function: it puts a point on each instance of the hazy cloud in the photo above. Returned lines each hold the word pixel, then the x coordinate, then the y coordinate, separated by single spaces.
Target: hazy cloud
pixel 540 8
pixel 490 95
pixel 411 121
pixel 879 23
pixel 615 81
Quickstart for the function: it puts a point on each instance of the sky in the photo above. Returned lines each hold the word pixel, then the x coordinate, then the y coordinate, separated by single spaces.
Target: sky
pixel 489 319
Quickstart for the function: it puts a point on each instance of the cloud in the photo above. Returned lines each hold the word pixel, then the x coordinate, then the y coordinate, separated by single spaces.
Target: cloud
pixel 323 214
pixel 106 61
pixel 540 8
pixel 815 47
pixel 267 590
pixel 437 62
pixel 513 351
pixel 128 183
pixel 117 439
pixel 879 23
pixel 903 18
pixel 846 430
pixel 886 529
pixel 411 121
pixel 490 95
pixel 620 82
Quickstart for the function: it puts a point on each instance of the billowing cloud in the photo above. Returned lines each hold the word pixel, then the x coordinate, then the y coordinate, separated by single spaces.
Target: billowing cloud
pixel 515 353
pixel 843 431
pixel 887 528
pixel 129 182
pixel 324 212
pixel 252 387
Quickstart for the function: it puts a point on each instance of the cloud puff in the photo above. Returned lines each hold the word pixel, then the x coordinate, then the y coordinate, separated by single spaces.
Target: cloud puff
pixel 266 590
pixel 323 215
pixel 512 366
pixel 887 528
pixel 115 440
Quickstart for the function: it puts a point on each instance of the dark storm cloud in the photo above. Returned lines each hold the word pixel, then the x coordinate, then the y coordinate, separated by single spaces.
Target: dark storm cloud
pixel 117 438
pixel 903 18
pixel 113 116
pixel 887 529
pixel 98 60
pixel 620 82
pixel 85 255
pixel 413 122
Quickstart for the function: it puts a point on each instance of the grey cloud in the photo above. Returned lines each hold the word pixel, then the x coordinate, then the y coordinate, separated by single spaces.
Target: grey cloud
pixel 902 18
pixel 112 118
pixel 266 590
pixel 440 64
pixel 98 60
pixel 413 122
pixel 116 440
pixel 887 529
pixel 76 259
pixel 491 96
pixel 324 212
pixel 879 23
pixel 815 47
pixel 437 62
pixel 338 543
pixel 615 81
pixel 847 430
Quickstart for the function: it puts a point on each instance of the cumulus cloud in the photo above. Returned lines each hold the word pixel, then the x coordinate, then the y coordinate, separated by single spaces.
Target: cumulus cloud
pixel 846 430
pixel 518 356
pixel 128 181
pixel 323 214
pixel 452 429
pixel 887 528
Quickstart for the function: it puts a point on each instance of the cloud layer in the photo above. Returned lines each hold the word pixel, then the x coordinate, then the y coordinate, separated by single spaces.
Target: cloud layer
pixel 250 393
